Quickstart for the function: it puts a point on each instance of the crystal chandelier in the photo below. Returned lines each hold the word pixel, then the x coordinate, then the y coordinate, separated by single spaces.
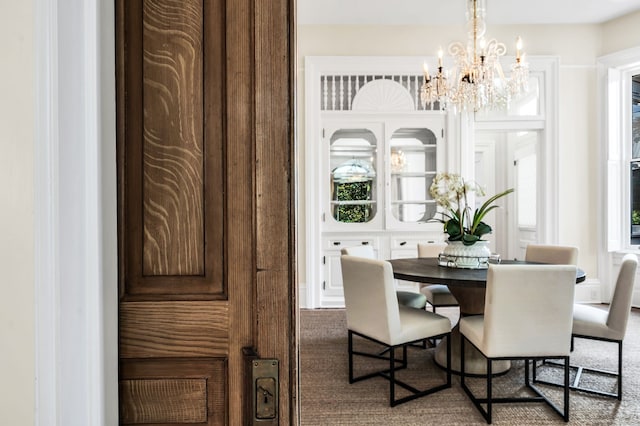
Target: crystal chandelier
pixel 477 81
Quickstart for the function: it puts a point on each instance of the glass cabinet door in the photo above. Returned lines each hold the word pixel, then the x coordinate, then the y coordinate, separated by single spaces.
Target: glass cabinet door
pixel 377 174
pixel 353 175
pixel 412 167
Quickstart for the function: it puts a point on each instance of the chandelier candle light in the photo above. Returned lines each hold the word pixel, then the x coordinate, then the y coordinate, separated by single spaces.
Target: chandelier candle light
pixel 477 81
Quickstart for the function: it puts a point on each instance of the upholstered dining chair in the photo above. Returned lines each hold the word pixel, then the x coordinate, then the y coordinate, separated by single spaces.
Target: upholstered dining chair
pixel 552 254
pixel 406 298
pixel 527 316
pixel 590 322
pixel 437 294
pixel 374 314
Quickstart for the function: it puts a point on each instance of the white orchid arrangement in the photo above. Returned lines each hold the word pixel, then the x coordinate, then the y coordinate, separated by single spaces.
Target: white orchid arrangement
pixel 449 190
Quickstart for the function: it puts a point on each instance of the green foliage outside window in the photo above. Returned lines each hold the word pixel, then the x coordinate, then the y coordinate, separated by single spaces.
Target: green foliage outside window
pixel 352 191
pixel 352 213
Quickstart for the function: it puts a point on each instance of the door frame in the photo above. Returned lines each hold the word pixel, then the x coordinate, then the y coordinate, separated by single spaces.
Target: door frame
pixel 76 371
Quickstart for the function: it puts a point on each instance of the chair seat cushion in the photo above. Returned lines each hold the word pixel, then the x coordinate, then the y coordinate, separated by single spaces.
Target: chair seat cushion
pixel 417 324
pixel 411 299
pixel 438 295
pixel 472 327
pixel 591 321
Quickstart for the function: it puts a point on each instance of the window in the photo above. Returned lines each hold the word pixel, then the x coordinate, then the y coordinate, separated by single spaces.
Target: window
pixel 619 82
pixel 635 160
pixel 528 104
pixel 526 190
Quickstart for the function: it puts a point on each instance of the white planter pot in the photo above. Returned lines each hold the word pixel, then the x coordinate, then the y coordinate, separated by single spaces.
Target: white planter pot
pixel 458 255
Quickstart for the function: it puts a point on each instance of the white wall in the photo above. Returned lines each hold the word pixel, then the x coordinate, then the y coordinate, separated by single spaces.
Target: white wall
pixel 577 46
pixel 16 214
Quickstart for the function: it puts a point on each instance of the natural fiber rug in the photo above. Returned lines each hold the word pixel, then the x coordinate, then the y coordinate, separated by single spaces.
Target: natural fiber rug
pixel 327 398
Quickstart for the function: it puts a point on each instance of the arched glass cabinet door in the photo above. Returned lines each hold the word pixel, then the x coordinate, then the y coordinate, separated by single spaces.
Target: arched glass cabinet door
pixel 353 175
pixel 413 161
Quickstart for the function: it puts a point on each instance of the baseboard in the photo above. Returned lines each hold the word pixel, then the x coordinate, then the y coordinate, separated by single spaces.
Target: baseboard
pixel 589 291
pixel 302 296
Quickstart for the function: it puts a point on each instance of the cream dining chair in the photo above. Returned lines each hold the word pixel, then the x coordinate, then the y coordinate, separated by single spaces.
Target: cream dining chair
pixel 590 322
pixel 373 314
pixel 437 295
pixel 609 326
pixel 527 316
pixel 552 254
pixel 406 298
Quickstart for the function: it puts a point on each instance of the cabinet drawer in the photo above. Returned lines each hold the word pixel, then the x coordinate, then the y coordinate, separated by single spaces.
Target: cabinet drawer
pixel 411 243
pixel 338 243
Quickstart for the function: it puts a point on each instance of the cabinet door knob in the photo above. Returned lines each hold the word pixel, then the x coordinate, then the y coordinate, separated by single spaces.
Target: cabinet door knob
pixel 403 243
pixel 336 243
pixel 365 243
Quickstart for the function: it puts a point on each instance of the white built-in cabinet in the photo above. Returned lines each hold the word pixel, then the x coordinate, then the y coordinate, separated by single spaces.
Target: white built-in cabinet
pixel 371 153
pixel 375 174
pixel 371 161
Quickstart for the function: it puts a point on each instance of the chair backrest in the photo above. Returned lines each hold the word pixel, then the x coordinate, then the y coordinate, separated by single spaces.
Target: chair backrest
pixel 360 251
pixel 621 301
pixel 529 310
pixel 370 297
pixel 556 255
pixel 430 249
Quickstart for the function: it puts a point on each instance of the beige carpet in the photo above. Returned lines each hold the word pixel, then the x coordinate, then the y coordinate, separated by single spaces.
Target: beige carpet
pixel 328 399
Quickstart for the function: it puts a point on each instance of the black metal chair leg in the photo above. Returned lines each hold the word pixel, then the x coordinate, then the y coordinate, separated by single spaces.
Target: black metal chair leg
pixel 566 389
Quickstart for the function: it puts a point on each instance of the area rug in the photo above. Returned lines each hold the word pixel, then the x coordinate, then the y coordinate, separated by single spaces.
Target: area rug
pixel 328 399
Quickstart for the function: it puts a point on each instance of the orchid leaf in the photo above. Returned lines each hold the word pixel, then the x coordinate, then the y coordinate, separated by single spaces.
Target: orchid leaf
pixel 482 229
pixel 452 228
pixel 461 222
pixel 469 239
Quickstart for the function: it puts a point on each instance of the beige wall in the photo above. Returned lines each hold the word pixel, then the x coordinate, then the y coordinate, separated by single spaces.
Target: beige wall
pixel 17 356
pixel 620 34
pixel 577 46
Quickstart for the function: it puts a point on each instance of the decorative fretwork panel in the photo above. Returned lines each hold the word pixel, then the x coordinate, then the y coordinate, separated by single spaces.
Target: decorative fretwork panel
pixel 338 91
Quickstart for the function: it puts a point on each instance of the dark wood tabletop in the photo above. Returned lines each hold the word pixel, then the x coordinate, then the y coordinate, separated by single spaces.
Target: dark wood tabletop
pixel 427 270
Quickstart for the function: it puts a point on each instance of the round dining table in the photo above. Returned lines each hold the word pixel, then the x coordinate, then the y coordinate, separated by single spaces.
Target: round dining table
pixel 468 287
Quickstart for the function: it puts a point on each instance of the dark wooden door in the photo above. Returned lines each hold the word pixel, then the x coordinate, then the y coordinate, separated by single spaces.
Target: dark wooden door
pixel 206 243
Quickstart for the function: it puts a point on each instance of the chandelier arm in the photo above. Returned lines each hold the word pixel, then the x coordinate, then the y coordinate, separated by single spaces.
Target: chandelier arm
pixel 496 48
pixel 457 49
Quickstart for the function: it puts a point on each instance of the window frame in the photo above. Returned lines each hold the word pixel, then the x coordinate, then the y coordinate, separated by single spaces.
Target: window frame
pixel 614 78
pixel 614 73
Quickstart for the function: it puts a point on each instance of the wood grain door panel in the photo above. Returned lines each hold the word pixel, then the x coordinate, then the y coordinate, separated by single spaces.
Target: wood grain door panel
pixel 181 391
pixel 174 329
pixel 173 150
pixel 205 201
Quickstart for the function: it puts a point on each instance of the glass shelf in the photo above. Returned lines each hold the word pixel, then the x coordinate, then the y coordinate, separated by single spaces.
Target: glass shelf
pixel 352 202
pixel 413 163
